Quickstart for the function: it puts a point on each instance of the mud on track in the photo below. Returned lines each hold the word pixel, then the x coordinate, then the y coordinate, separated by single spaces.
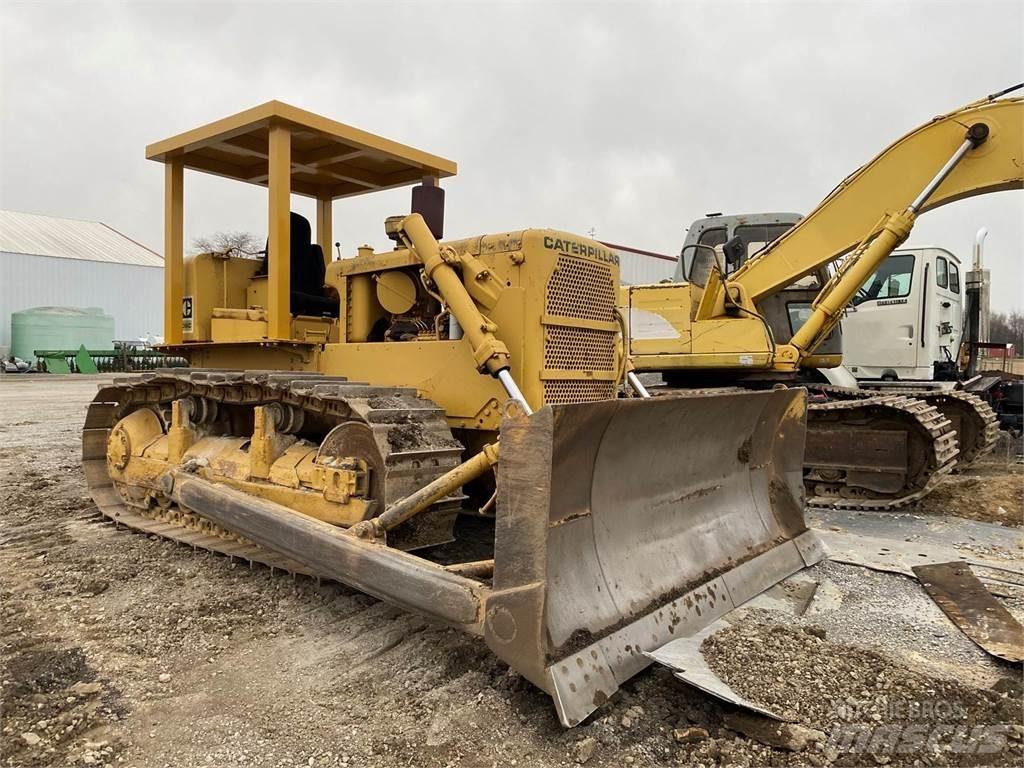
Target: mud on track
pixel 124 650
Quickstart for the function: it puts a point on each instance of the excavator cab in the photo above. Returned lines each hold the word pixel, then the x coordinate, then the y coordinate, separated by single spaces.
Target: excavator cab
pixel 741 236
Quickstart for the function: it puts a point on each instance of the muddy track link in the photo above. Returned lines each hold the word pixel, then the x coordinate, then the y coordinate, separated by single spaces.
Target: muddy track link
pixel 975 422
pixel 411 432
pixel 929 432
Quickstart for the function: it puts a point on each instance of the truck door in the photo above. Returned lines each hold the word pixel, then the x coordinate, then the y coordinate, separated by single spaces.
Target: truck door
pixel 942 323
pixel 886 320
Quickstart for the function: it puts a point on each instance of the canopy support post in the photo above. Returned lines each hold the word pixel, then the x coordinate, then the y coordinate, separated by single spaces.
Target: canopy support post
pixel 174 250
pixel 324 236
pixel 279 318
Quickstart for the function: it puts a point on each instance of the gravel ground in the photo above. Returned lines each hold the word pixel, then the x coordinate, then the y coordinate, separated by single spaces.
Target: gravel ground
pixel 836 689
pixel 123 650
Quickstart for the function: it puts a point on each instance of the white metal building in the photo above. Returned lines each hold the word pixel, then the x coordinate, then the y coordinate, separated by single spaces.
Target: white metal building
pixel 49 261
pixel 637 267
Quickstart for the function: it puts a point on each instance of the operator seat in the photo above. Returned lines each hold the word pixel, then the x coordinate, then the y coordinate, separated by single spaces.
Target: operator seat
pixel 308 296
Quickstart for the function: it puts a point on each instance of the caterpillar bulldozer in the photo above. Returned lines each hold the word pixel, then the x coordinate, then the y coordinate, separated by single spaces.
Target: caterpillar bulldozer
pixel 761 316
pixel 339 417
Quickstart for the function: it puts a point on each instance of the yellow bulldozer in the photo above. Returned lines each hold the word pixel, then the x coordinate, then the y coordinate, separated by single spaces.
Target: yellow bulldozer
pixel 766 318
pixel 340 416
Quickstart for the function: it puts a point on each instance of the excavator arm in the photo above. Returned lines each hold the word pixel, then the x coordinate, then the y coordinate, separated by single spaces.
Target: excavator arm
pixel 890 183
pixel 972 151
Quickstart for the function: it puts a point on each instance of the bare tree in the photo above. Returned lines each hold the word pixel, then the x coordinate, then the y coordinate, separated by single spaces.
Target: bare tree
pixel 233 243
pixel 1007 328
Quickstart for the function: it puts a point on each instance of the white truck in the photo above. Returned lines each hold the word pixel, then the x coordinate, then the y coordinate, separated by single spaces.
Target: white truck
pixel 906 323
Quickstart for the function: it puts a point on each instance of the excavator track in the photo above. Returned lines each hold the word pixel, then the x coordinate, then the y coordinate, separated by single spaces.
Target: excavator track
pixel 844 425
pixel 976 424
pixel 864 426
pixel 411 432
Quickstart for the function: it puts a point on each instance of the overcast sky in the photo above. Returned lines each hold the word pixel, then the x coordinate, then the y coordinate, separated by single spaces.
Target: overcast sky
pixel 629 118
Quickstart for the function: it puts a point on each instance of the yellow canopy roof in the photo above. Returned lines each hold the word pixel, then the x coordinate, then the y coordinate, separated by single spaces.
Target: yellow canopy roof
pixel 329 159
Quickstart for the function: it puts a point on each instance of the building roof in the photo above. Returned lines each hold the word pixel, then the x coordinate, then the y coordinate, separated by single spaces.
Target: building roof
pixel 328 159
pixel 37 235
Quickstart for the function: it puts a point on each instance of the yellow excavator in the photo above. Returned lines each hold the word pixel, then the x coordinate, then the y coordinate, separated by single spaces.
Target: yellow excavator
pixel 970 417
pixel 768 318
pixel 340 418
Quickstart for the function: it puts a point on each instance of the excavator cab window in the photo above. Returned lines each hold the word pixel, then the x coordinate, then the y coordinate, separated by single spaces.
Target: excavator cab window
pixel 891 281
pixel 799 313
pixel 711 238
pixel 757 237
pixel 954 278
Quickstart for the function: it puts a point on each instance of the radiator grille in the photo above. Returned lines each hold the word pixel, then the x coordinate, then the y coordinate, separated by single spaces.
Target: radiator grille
pixel 582 289
pixel 579 290
pixel 556 392
pixel 579 349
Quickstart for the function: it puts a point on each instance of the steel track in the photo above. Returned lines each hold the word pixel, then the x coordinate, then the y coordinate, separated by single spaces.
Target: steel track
pixel 925 425
pixel 333 399
pixel 985 424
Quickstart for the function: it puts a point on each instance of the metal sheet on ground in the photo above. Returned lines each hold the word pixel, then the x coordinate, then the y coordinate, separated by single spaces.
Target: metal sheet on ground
pixel 969 605
pixel 898 542
pixel 905 526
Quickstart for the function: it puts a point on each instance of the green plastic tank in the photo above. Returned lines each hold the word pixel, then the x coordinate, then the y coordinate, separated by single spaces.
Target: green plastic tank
pixel 59 328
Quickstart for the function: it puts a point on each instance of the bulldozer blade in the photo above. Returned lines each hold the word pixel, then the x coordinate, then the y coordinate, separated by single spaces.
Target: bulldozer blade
pixel 620 526
pixel 624 524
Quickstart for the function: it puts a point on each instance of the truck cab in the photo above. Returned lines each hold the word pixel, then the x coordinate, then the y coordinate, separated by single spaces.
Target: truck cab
pixel 906 322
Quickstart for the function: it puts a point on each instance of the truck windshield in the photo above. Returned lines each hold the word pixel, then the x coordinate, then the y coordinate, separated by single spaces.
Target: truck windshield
pixel 891 281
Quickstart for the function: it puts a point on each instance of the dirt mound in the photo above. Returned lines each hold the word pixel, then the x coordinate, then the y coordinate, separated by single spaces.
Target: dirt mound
pixel 991 491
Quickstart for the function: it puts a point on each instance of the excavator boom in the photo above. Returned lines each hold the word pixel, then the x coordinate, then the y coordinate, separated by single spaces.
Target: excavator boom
pixel 890 183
